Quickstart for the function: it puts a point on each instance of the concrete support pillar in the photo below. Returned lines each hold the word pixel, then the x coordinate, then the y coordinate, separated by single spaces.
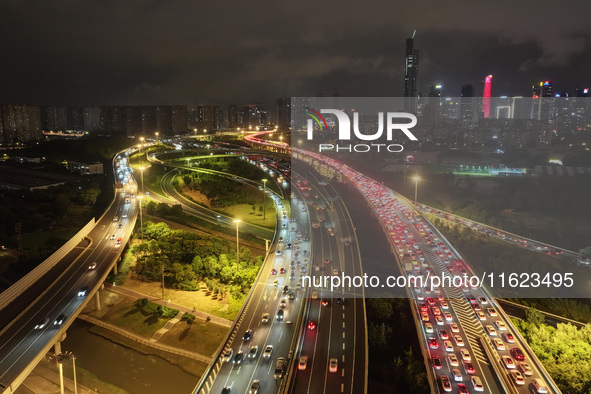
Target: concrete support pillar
pixel 115 268
pixel 97 300
pixel 57 348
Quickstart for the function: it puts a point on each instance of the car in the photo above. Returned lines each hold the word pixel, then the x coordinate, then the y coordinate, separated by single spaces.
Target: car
pixel 483 300
pixel 283 303
pixel 424 316
pixel 481 316
pixel 454 327
pixel 83 291
pixel 311 326
pixel 92 265
pixel 491 330
pixel 447 316
pixel 253 352
pixel 457 375
pixel 265 318
pixel 247 335
pixel 436 311
pixel 303 363
pixel 539 386
pixel 465 355
pixel 268 351
pixel 314 295
pixel 445 384
pixel 476 307
pixel 120 225
pixel 436 362
pixel 227 355
pixel 273 271
pixel 291 296
pixel 469 368
pixel 444 305
pixel 499 345
pixel 279 253
pixel 453 360
pixel 282 270
pixel 458 340
pixel 42 324
pixel 443 334
pixel 430 301
pixel 275 283
pixel 517 354
pixel 507 336
pixel 112 237
pixel 333 365
pixel 429 328
pixel 508 362
pixel 326 261
pixel 124 215
pixel 433 343
pixel 285 289
pixel 335 272
pixel 227 390
pixel 118 240
pixel 477 383
pixel 347 243
pixel 238 357
pixel 462 388
pixel 280 314
pixel 525 369
pixel 325 302
pixel 500 325
pixel 518 378
pixel 491 311
pixel 255 386
pixel 59 320
pixel 448 346
pixel 424 307
pixel 439 320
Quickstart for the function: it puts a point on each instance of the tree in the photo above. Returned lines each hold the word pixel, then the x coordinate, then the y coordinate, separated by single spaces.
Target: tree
pixel 534 317
pixel 261 209
pixel 254 209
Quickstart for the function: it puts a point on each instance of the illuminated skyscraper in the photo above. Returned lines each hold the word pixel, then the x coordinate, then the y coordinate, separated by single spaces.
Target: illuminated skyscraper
pixel 411 75
pixel 486 96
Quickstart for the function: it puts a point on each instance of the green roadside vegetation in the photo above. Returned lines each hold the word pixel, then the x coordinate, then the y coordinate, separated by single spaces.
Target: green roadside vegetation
pixel 395 365
pixel 248 204
pixel 131 316
pixel 199 336
pixel 565 351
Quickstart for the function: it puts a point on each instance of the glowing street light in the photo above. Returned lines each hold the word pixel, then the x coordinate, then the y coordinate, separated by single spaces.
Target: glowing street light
pixel 157 140
pixel 264 194
pixel 141 144
pixel 237 221
pixel 416 179
pixel 195 130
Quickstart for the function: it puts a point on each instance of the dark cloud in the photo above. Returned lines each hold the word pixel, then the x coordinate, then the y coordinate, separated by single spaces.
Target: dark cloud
pixel 181 51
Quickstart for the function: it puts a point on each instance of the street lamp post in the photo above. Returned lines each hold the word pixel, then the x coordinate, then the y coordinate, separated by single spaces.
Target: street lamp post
pixel 416 179
pixel 141 219
pixel 141 144
pixel 157 140
pixel 208 148
pixel 59 359
pixel 237 221
pixel 142 172
pixel 264 194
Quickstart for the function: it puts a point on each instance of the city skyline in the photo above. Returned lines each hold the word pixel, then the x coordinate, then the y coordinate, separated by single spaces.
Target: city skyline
pixel 144 54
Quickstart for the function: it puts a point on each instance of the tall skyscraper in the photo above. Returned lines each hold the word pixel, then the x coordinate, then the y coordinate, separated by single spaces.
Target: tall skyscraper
pixel 541 100
pixel 486 96
pixel 411 75
pixel 232 116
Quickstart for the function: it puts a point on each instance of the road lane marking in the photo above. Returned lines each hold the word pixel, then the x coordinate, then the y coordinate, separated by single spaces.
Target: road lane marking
pixel 342 372
pixel 343 345
pixel 342 387
pixel 343 358
pixel 343 335
pixel 343 324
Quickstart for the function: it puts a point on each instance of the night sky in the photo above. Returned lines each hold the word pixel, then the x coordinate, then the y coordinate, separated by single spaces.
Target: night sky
pixel 78 52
